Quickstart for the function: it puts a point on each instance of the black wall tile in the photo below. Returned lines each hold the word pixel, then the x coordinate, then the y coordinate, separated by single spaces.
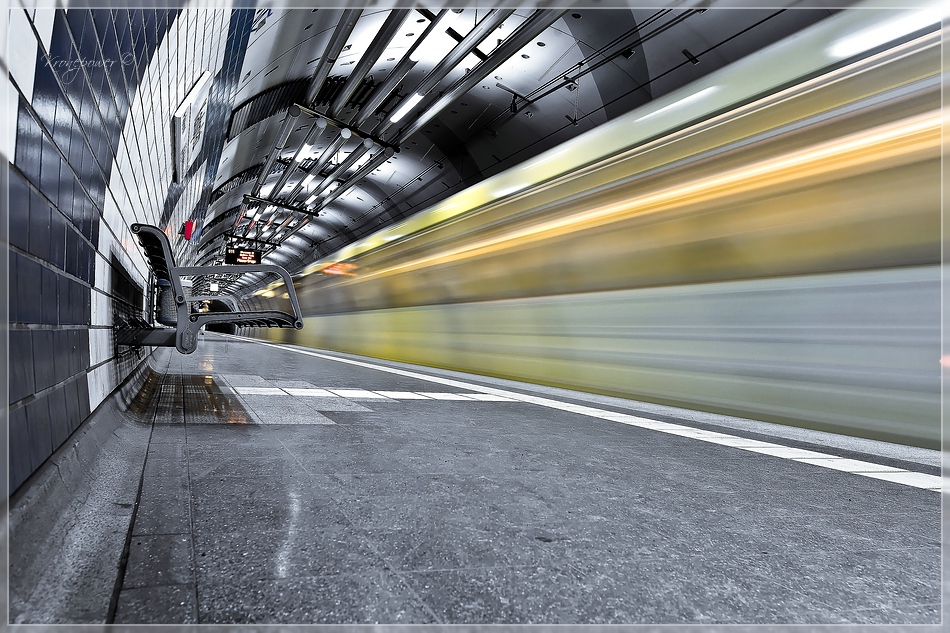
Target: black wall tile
pixel 76 300
pixel 76 19
pixel 148 16
pixel 28 145
pixel 45 92
pixel 86 258
pixel 21 365
pixel 74 416
pixel 60 46
pixel 14 301
pixel 84 351
pixel 67 193
pixel 58 422
pixel 63 125
pixel 57 240
pixel 37 420
pixel 84 409
pixel 75 354
pixel 87 306
pixel 72 253
pixel 39 226
pixel 28 280
pixel 61 350
pixel 49 292
pixel 44 360
pixel 102 20
pixel 21 464
pixel 68 301
pixel 49 172
pixel 75 148
pixel 19 225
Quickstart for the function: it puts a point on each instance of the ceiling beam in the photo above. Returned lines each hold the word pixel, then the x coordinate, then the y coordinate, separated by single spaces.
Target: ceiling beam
pixel 539 21
pixel 368 60
pixel 292 113
pixel 451 61
pixel 342 33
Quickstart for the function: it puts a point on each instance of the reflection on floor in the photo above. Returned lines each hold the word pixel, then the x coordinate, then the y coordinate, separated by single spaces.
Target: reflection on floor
pixel 313 491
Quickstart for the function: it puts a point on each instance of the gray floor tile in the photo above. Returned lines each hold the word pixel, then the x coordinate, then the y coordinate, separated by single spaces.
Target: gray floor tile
pixel 301 548
pixel 358 598
pixel 172 604
pixel 159 560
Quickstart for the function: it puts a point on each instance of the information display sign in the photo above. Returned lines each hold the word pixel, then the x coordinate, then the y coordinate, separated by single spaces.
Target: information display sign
pixel 242 256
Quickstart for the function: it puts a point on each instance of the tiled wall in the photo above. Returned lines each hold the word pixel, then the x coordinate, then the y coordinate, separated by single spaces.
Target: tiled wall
pixel 92 93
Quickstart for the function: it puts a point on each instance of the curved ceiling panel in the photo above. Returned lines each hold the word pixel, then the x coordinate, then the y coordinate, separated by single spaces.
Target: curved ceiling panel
pixel 345 121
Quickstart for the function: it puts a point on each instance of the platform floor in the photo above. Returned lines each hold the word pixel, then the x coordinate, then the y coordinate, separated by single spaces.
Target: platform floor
pixel 289 486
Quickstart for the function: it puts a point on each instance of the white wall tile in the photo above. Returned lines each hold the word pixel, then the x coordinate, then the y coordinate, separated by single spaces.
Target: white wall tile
pixel 100 384
pixel 22 56
pixel 43 21
pixel 99 344
pixel 11 103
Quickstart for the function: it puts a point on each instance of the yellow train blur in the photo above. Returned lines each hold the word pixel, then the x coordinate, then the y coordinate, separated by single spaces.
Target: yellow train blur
pixel 779 260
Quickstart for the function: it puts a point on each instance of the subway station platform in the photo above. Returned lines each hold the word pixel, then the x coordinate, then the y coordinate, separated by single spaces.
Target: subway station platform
pixel 287 485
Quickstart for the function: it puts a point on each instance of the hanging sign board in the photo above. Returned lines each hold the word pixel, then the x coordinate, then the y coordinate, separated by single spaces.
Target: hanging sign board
pixel 241 256
pixel 188 125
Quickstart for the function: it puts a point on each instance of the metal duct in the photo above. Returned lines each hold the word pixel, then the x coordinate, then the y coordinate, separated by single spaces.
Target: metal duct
pixel 292 113
pixel 325 157
pixel 461 50
pixel 342 168
pixel 531 28
pixel 363 171
pixel 316 129
pixel 334 46
pixel 368 60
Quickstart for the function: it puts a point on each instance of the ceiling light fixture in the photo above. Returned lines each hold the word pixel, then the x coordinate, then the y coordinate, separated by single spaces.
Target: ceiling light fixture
pixel 406 106
pixel 455 57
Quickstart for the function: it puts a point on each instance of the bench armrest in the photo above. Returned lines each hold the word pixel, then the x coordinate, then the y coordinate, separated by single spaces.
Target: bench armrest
pixel 161 261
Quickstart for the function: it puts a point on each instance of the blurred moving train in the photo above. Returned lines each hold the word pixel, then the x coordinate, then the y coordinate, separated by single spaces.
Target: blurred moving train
pixel 764 243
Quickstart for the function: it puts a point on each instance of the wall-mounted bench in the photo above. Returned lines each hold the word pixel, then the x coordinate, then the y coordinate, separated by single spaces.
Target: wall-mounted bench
pixel 187 324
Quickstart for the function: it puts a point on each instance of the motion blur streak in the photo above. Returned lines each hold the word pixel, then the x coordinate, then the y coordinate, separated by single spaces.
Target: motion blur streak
pixel 893 144
pixel 777 259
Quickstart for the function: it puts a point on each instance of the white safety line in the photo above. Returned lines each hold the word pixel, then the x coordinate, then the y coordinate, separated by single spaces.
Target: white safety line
pixel 358 393
pixel 853 466
pixel 310 393
pixel 259 391
pixel 403 395
pixel 444 395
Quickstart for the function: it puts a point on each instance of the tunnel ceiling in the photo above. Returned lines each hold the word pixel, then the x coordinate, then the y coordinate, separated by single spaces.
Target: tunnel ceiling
pixel 314 159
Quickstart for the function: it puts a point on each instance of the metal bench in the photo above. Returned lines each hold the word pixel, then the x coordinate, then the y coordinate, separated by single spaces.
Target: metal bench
pixel 184 336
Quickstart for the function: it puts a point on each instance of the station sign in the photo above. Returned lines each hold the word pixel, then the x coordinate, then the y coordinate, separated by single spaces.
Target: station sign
pixel 242 256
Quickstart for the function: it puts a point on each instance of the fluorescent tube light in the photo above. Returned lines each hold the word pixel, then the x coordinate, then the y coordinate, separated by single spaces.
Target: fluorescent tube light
pixel 406 106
